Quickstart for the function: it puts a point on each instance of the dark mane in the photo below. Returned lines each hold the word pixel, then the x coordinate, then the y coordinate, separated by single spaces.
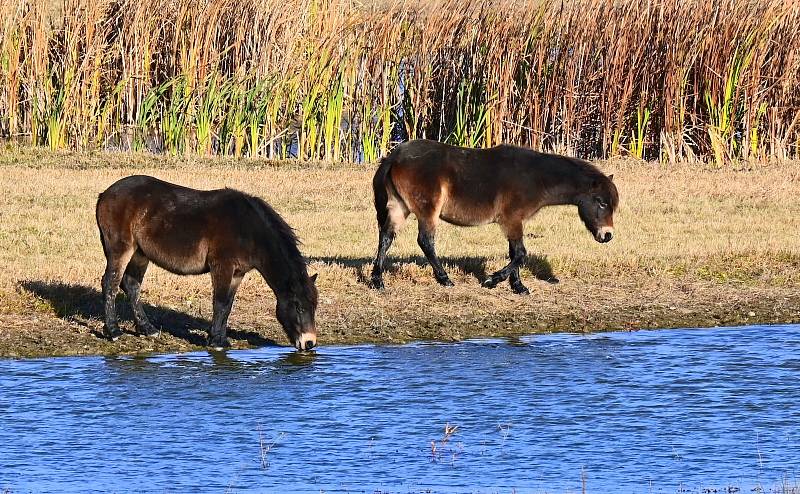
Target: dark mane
pixel 588 169
pixel 289 243
pixel 592 172
pixel 581 166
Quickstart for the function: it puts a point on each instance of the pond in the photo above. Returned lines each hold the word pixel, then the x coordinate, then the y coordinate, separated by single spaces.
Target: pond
pixel 647 411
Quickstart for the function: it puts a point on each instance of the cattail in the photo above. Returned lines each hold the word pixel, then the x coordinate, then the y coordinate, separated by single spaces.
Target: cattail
pixel 339 81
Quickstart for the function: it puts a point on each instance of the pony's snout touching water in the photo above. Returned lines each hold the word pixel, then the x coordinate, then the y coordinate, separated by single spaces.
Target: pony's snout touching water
pixel 223 232
pixel 505 184
pixel 296 315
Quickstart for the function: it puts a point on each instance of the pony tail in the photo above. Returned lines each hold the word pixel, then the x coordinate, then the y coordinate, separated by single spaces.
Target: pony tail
pixel 99 225
pixel 380 184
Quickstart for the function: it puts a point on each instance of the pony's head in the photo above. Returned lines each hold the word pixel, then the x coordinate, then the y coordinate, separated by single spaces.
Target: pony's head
pixel 596 206
pixel 295 312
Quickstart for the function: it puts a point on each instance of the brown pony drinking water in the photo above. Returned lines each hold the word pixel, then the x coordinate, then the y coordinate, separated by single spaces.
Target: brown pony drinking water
pixel 468 187
pixel 186 231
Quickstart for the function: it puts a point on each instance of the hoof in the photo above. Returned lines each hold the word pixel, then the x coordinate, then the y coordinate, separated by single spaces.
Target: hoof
pixel 489 283
pixel 377 284
pixel 219 344
pixel 552 280
pixel 150 331
pixel 113 333
pixel 446 282
pixel 520 290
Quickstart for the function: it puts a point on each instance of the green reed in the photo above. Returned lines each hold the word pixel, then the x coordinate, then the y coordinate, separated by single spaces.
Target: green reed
pixel 336 81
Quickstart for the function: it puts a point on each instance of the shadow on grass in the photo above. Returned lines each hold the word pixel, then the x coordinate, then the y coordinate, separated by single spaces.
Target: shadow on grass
pixel 80 301
pixel 539 266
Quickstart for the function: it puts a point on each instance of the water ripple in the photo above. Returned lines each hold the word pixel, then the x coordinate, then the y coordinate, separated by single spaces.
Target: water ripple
pixel 648 411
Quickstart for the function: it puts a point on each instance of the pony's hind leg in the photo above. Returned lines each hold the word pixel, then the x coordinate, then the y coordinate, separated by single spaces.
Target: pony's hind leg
pixel 385 238
pixel 225 281
pixel 427 199
pixel 427 240
pixel 117 258
pixel 132 284
pixel 396 217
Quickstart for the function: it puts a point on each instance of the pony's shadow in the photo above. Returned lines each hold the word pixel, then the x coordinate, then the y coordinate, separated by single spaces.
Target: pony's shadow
pixel 80 303
pixel 539 266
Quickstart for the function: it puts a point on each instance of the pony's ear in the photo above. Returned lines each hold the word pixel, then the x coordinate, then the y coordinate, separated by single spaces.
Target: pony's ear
pixel 314 279
pixel 611 177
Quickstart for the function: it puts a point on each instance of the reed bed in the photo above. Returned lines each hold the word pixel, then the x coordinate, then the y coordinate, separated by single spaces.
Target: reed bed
pixel 339 80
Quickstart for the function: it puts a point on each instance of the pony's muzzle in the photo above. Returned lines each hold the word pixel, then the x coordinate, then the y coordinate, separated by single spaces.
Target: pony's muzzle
pixel 604 234
pixel 306 341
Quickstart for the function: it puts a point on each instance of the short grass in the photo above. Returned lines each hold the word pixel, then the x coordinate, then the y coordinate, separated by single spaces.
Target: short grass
pixel 693 247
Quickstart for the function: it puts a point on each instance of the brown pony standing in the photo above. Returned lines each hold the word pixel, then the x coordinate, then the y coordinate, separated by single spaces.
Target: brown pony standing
pixel 468 187
pixel 186 231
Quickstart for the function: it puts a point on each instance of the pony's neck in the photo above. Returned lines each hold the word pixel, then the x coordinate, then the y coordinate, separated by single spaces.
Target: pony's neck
pixel 277 269
pixel 565 189
pixel 278 259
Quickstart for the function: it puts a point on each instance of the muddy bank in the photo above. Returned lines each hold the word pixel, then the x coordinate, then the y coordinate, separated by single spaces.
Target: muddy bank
pixel 43 335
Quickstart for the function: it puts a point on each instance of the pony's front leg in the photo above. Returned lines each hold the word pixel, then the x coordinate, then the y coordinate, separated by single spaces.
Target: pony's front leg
pixel 516 252
pixel 225 282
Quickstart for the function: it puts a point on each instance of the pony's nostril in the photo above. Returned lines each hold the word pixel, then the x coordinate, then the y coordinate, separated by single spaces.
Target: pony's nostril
pixel 309 345
pixel 608 236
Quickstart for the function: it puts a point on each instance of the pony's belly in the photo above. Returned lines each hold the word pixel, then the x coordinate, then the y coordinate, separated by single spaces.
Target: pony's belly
pixel 182 268
pixel 463 217
pixel 190 259
pixel 466 206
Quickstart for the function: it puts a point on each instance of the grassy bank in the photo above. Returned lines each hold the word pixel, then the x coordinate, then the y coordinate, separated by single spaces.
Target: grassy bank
pixel 694 247
pixel 338 80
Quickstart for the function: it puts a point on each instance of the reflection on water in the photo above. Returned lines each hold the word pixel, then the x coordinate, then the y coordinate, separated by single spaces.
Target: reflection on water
pixel 651 411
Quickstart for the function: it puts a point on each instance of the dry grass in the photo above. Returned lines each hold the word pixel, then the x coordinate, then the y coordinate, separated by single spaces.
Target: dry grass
pixel 694 247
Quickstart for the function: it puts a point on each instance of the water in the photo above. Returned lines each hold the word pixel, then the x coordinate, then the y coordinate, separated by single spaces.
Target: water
pixel 649 411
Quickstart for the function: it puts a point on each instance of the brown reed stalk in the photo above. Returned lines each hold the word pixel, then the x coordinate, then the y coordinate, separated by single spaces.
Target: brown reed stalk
pixel 719 80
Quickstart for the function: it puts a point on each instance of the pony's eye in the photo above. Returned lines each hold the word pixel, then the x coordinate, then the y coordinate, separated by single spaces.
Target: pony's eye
pixel 600 203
